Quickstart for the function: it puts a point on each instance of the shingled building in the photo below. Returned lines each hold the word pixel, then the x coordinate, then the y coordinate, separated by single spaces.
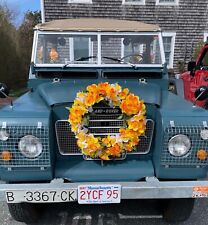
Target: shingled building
pixel 184 22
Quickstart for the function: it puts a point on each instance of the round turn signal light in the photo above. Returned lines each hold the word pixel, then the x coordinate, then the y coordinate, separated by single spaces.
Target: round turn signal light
pixel 6 156
pixel 202 154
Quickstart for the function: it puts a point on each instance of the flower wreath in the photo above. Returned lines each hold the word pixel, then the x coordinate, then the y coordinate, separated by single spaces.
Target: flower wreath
pixel 133 113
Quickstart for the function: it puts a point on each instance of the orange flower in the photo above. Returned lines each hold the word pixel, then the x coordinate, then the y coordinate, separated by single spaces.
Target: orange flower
pixel 109 141
pixel 131 105
pixel 127 134
pixel 78 110
pixel 75 119
pixel 103 87
pixel 90 99
pixel 53 55
pixel 115 150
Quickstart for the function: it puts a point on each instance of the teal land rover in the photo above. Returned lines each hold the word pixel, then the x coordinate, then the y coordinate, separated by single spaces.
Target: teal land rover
pixel 99 124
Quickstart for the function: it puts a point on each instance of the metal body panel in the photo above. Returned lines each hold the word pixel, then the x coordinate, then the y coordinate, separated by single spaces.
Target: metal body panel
pixel 63 92
pixel 75 169
pixel 24 175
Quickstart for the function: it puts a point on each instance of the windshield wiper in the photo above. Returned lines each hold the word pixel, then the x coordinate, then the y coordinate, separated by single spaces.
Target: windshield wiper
pixel 103 57
pixel 80 60
pixel 120 61
pixel 85 58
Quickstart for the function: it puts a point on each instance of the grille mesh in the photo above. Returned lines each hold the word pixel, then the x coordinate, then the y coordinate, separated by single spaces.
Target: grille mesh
pixel 67 142
pixel 193 132
pixel 18 160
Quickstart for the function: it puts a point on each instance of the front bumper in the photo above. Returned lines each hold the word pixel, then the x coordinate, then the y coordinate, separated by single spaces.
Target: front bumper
pixel 150 189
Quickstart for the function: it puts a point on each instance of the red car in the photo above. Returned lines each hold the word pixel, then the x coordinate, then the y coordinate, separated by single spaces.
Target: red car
pixel 196 80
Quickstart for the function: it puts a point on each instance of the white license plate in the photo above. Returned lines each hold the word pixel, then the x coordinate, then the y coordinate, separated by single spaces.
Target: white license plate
pixel 99 194
pixel 41 196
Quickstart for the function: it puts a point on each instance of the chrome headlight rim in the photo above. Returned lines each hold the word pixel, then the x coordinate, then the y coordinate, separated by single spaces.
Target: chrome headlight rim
pixel 173 139
pixel 4 135
pixel 23 146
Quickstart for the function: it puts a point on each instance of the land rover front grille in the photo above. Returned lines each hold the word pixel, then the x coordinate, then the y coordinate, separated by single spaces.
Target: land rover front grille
pixel 190 160
pixel 16 132
pixel 99 125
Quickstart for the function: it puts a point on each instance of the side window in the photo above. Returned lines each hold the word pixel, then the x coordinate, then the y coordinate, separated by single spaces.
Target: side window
pixel 80 1
pixel 205 36
pixel 205 59
pixel 169 45
pixel 133 2
pixel 81 47
pixel 167 2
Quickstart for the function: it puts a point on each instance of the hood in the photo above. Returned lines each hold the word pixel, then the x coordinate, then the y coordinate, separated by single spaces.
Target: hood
pixel 65 91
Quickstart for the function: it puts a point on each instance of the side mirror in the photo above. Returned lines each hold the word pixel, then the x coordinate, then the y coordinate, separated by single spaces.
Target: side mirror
pixel 201 93
pixel 191 67
pixel 4 91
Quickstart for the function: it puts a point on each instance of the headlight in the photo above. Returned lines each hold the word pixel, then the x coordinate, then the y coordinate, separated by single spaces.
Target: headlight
pixel 179 145
pixel 30 146
pixel 204 134
pixel 4 136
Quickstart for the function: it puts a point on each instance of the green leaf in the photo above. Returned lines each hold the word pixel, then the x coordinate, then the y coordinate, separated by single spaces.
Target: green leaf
pixel 120 117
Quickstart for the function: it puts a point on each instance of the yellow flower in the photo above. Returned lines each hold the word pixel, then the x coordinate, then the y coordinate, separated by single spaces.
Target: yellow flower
pixel 81 144
pixel 81 136
pixel 137 124
pixel 81 95
pixel 93 144
pixel 112 93
pixel 128 147
pixel 104 157
pixel 74 128
pixel 76 113
pixel 118 87
pixel 92 88
pixel 124 93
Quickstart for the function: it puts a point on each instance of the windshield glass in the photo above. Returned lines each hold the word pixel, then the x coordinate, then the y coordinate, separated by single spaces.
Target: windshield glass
pixel 69 49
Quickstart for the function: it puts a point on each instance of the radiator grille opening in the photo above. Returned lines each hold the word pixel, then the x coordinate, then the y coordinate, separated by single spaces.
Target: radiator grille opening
pixel 99 125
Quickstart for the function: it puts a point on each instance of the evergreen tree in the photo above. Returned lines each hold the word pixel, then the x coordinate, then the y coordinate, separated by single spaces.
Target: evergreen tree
pixel 25 37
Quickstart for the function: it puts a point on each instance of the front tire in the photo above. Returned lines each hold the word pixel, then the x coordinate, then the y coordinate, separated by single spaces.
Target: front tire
pixel 178 210
pixel 24 212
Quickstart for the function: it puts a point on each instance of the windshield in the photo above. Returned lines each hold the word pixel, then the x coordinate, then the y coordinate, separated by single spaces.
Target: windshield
pixel 96 49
